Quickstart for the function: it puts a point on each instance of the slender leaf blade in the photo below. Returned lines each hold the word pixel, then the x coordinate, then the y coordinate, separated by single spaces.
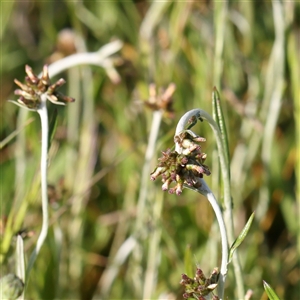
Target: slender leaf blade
pixel 241 237
pixel 214 106
pixel 188 265
pixel 270 292
pixel 219 118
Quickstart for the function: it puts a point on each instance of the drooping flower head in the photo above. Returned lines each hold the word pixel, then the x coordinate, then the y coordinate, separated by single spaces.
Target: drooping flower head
pixel 182 168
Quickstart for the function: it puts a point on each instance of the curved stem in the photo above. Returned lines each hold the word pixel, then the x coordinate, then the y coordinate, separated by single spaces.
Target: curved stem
pixel 228 216
pixel 98 58
pixel 201 114
pixel 44 123
pixel 205 191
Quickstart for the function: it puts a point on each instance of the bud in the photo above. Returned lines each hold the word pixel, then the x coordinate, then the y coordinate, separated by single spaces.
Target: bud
pixel 214 277
pixel 199 276
pixel 55 85
pixel 186 295
pixel 190 145
pixel 158 171
pixel 165 186
pixel 45 76
pixel 31 77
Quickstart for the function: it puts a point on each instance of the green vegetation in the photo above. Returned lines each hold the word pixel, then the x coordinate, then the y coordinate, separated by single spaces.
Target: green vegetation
pixel 114 234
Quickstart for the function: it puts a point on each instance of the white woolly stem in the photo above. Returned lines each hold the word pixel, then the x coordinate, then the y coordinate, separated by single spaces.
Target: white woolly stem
pixel 99 58
pixel 42 110
pixel 204 189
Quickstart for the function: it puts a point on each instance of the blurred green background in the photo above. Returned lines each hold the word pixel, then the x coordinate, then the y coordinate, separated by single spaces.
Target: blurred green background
pixel 249 50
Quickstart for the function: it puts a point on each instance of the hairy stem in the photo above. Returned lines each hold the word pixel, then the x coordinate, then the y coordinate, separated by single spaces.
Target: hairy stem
pixel 205 191
pixel 99 58
pixel 44 123
pixel 203 115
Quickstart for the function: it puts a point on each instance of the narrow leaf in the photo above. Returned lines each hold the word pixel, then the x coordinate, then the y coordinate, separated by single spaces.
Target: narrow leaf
pixel 219 118
pixel 188 265
pixel 240 238
pixel 270 292
pixel 214 106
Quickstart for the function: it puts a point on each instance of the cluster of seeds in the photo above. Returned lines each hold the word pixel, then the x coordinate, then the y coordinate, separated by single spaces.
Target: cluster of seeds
pixel 200 286
pixel 182 168
pixel 30 92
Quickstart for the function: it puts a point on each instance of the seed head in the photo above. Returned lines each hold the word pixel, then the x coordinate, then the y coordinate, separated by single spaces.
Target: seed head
pixel 199 286
pixel 34 87
pixel 161 100
pixel 184 168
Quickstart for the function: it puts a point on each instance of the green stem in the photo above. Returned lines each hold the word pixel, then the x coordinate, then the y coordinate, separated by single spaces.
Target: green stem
pixel 44 123
pixel 220 13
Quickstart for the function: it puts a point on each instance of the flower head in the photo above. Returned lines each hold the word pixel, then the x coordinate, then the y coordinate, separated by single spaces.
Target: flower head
pixel 182 168
pixel 162 100
pixel 34 87
pixel 200 286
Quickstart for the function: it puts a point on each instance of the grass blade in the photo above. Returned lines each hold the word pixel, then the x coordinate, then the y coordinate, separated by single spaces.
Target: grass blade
pixel 240 238
pixel 270 292
pixel 188 264
pixel 219 118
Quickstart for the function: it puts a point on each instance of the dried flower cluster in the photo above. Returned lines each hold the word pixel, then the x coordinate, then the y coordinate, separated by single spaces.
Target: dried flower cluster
pixel 200 286
pixel 34 87
pixel 184 168
pixel 162 100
